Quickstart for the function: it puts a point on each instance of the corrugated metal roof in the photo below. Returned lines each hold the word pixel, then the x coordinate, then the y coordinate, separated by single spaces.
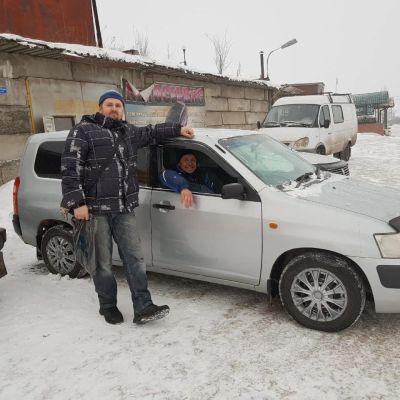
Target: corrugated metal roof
pixel 18 45
pixel 372 99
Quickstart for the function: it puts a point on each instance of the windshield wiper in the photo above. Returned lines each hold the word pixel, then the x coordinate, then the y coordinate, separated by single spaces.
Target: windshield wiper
pixel 294 123
pixel 303 177
pixel 272 124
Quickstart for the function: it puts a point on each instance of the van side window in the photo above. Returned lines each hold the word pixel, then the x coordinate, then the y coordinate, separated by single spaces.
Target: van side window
pixel 337 114
pixel 324 115
pixel 48 159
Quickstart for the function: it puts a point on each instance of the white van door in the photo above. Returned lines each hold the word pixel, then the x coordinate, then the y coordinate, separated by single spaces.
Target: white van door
pixel 326 136
pixel 339 128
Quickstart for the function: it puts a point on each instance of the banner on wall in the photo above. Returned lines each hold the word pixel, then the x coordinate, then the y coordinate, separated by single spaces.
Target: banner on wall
pixel 164 102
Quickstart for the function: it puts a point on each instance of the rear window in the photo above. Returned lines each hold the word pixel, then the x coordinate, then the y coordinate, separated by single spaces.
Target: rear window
pixel 337 114
pixel 48 160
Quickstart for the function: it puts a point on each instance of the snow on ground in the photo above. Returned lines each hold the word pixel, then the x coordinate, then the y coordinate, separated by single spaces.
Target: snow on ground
pixel 217 343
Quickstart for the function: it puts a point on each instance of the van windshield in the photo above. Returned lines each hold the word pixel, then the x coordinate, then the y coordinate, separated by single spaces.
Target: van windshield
pixel 305 115
pixel 268 159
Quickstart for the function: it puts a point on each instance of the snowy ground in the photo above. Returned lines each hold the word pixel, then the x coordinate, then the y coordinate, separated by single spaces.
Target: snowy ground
pixel 218 342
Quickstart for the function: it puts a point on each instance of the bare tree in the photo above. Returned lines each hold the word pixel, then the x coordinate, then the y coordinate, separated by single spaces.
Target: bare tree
pixel 222 47
pixel 169 53
pixel 239 70
pixel 111 42
pixel 141 43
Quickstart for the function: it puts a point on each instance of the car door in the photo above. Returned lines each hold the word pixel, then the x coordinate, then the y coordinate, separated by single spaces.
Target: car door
pixel 216 238
pixel 339 129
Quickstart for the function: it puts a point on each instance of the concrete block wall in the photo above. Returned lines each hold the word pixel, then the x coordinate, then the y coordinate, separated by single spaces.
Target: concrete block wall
pixel 236 107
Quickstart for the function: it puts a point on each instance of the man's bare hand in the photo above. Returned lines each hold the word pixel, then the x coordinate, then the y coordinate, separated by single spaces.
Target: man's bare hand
pixel 187 132
pixel 186 198
pixel 81 213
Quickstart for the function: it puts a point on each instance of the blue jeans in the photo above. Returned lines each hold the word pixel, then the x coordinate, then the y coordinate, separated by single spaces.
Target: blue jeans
pixel 123 228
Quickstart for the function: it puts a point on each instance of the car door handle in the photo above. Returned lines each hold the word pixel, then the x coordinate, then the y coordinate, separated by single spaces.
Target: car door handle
pixel 161 206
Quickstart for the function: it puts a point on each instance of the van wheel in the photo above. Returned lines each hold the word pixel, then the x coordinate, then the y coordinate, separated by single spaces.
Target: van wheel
pixel 58 253
pixel 322 292
pixel 320 150
pixel 346 153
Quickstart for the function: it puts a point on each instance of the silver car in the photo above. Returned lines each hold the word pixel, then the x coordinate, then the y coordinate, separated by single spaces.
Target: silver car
pixel 279 226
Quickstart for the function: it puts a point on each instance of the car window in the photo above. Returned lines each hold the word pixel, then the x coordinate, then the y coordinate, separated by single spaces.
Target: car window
pixel 268 159
pixel 170 156
pixel 324 115
pixel 221 171
pixel 48 162
pixel 305 115
pixel 48 159
pixel 337 114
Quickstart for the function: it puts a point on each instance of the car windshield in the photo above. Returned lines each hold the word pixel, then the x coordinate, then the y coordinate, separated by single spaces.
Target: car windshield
pixel 271 161
pixel 304 115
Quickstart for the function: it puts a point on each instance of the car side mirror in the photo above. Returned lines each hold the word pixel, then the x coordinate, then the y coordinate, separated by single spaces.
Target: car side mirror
pixel 232 191
pixel 258 124
pixel 327 123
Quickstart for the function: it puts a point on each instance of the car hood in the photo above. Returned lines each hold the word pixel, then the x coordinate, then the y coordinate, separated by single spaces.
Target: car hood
pixel 287 133
pixel 350 194
pixel 314 158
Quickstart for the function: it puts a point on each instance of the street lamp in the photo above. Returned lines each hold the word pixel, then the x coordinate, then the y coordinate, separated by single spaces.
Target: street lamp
pixel 184 55
pixel 287 44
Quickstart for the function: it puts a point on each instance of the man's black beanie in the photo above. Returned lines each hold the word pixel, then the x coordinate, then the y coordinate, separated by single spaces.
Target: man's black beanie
pixel 113 94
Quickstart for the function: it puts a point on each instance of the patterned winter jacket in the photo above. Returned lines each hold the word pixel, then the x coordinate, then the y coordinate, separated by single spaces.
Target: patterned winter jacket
pixel 88 145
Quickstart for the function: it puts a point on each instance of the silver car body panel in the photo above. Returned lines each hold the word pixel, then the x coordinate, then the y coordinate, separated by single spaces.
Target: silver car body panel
pixel 216 238
pixel 230 241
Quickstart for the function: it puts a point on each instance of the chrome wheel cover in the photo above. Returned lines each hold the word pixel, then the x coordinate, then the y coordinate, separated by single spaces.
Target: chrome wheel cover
pixel 60 254
pixel 319 294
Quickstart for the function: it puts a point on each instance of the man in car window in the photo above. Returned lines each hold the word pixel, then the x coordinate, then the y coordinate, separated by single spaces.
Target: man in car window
pixel 188 177
pixel 99 178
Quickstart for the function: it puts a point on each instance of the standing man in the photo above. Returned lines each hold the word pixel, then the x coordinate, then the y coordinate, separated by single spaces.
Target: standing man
pixel 110 197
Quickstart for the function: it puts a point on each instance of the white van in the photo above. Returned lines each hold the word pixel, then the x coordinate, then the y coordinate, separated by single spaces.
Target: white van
pixel 324 124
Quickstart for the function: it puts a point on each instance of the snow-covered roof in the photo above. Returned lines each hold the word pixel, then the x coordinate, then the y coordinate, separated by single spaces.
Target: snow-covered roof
pixel 11 43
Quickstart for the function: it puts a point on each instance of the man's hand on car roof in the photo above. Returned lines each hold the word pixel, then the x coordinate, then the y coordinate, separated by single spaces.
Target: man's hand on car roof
pixel 187 132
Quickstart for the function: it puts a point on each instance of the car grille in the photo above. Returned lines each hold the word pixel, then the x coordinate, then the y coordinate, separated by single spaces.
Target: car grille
pixel 342 170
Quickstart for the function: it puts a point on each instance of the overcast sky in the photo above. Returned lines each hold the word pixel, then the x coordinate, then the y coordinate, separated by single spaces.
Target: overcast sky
pixel 351 46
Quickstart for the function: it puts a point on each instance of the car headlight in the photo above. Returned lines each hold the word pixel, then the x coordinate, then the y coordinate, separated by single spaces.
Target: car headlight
pixel 303 142
pixel 388 244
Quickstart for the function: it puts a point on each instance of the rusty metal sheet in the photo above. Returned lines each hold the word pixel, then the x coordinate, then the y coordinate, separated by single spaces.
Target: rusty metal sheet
pixel 55 21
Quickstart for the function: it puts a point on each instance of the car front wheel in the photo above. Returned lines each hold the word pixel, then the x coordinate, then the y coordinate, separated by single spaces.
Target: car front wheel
pixel 58 253
pixel 321 291
pixel 346 153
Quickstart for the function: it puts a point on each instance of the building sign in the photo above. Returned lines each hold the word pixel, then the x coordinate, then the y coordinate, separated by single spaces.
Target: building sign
pixel 167 93
pixel 164 102
pixel 3 90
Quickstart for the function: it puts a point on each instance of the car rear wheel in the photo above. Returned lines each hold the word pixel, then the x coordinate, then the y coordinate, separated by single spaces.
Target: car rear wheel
pixel 322 292
pixel 58 253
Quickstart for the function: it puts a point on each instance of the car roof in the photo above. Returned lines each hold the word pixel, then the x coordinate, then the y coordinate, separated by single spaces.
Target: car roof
pixel 201 134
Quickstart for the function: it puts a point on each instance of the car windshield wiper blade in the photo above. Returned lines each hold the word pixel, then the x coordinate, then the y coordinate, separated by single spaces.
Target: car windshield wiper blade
pixel 272 123
pixel 303 177
pixel 295 123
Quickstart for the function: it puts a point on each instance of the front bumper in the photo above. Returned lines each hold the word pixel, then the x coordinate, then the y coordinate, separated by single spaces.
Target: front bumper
pixel 17 225
pixel 384 278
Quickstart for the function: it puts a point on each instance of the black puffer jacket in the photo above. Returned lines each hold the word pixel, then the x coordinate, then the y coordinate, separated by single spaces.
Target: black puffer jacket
pixel 88 145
